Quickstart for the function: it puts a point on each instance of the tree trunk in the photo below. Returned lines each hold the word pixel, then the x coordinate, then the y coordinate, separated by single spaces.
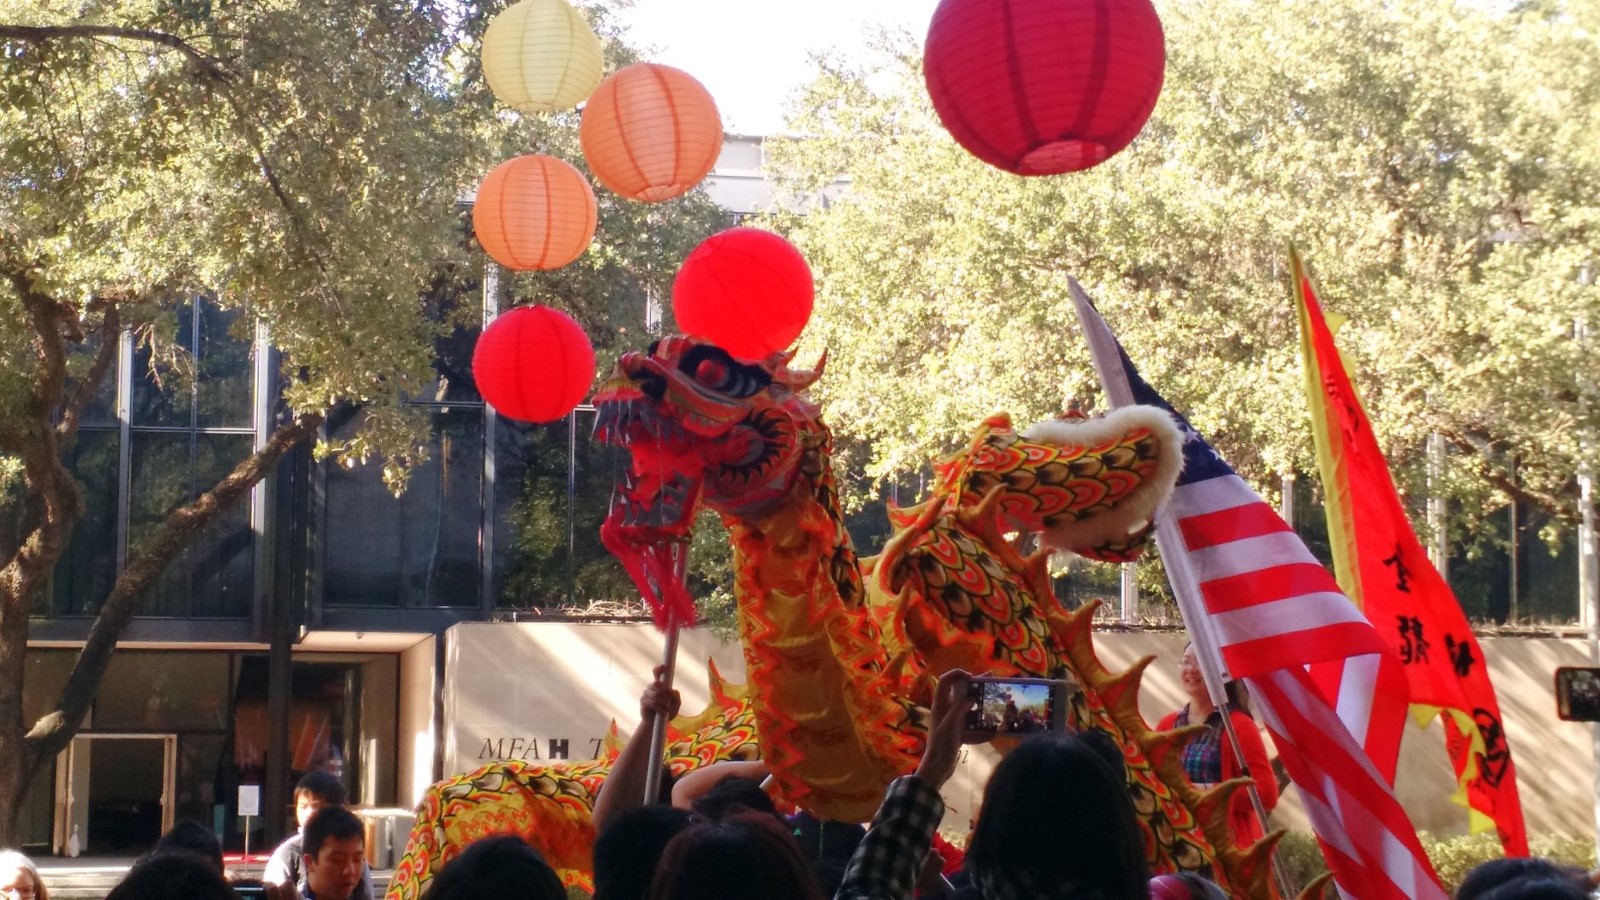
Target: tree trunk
pixel 24 755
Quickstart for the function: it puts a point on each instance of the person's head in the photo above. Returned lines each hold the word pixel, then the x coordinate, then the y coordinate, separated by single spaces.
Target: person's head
pixel 173 875
pixel 1194 683
pixel 190 835
pixel 19 878
pixel 503 867
pixel 731 795
pixel 335 852
pixel 1055 813
pixel 626 852
pixel 746 856
pixel 1521 878
pixel 313 792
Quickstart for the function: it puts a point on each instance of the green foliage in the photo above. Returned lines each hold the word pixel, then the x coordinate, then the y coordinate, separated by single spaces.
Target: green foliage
pixel 1299 859
pixel 1453 857
pixel 1428 158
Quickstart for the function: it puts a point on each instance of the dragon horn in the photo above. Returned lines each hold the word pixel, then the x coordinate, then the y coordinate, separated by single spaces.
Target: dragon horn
pixel 799 380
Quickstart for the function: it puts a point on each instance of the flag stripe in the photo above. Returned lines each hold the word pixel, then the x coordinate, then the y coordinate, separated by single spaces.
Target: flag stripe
pixel 1202 530
pixel 1279 651
pixel 1266 585
pixel 1344 794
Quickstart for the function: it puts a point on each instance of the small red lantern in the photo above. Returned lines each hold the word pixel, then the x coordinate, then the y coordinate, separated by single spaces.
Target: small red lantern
pixel 533 363
pixel 534 212
pixel 1040 87
pixel 746 290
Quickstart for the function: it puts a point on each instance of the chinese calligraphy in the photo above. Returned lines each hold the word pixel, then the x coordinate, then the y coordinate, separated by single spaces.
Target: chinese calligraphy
pixel 1402 572
pixel 1460 654
pixel 1413 645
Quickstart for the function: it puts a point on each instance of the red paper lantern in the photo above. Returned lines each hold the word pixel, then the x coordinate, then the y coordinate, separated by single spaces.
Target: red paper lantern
pixel 1040 87
pixel 533 363
pixel 746 290
pixel 534 212
pixel 650 132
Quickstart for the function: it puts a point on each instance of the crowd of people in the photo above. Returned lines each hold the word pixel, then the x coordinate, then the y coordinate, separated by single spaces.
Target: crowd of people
pixel 1057 821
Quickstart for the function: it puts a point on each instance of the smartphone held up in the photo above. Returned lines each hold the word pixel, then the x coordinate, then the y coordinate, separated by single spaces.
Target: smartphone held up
pixel 1018 705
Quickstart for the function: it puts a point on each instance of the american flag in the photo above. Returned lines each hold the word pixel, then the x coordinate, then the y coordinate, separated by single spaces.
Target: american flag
pixel 1261 607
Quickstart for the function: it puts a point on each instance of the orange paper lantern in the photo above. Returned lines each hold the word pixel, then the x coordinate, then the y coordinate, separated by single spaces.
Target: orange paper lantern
pixel 534 212
pixel 651 132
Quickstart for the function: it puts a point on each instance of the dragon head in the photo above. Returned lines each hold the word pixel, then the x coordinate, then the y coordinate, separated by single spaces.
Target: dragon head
pixel 699 424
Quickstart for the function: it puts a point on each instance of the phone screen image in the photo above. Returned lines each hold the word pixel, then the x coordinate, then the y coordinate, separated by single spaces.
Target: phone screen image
pixel 1578 694
pixel 1012 707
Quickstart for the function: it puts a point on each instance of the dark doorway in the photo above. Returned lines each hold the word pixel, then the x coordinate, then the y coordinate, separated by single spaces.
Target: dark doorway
pixel 125 787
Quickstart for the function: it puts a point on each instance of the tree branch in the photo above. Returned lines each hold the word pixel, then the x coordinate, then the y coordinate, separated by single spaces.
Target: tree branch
pixel 51 734
pixel 210 66
pixel 1561 508
pixel 72 409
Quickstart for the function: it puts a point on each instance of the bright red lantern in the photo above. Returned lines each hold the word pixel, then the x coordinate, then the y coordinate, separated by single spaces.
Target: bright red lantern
pixel 1040 87
pixel 533 363
pixel 746 290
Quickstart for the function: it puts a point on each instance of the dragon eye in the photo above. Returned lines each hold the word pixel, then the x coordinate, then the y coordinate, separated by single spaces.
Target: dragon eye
pixel 712 368
pixel 711 373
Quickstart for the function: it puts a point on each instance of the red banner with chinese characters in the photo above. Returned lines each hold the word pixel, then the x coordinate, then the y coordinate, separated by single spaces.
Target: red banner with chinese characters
pixel 1382 565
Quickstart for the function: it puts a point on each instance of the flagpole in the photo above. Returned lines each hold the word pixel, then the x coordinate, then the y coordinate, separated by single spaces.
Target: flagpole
pixel 1185 588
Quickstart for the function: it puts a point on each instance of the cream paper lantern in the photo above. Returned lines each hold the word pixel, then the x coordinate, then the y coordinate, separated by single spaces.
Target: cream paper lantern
pixel 540 56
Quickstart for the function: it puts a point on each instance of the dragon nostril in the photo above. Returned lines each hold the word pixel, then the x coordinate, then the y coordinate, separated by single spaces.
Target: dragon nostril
pixel 652 385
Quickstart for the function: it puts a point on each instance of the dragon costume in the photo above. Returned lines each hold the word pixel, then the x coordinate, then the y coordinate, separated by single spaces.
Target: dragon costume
pixel 841 653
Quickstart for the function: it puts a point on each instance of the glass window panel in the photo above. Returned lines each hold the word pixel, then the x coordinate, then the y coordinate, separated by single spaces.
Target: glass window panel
pixel 46 675
pixel 536 522
pixel 162 396
pixel 420 549
pixel 452 369
pixel 213 576
pixel 223 364
pixel 86 571
pixel 206 780
pixel 101 410
pixel 145 691
pixel 456 303
pixel 1548 575
pixel 530 514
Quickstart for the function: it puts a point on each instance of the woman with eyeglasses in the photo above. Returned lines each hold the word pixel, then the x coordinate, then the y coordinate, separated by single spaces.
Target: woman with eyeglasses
pixel 19 878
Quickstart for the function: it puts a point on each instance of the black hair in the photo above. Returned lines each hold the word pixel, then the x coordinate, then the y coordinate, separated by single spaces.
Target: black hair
pixel 626 852
pixel 323 786
pixel 1514 877
pixel 1105 745
pixel 502 867
pixel 1057 813
pixel 187 834
pixel 746 856
pixel 173 875
pixel 732 794
pixel 330 823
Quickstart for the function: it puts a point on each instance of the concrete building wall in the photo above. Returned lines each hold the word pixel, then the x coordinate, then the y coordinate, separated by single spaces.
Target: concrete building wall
pixel 551 690
pixel 511 689
pixel 416 741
